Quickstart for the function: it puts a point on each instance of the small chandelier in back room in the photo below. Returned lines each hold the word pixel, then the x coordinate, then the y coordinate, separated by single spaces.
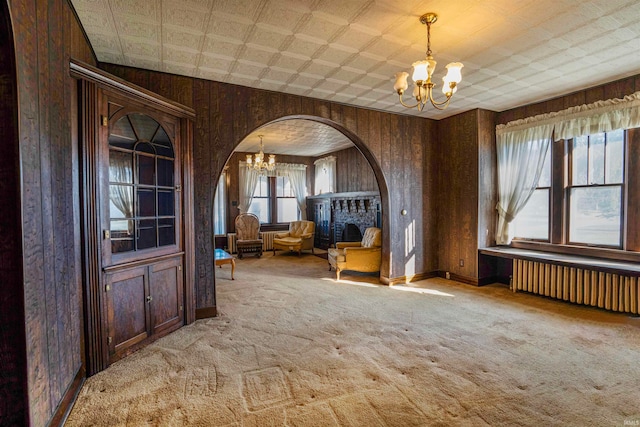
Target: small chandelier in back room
pixel 259 163
pixel 422 71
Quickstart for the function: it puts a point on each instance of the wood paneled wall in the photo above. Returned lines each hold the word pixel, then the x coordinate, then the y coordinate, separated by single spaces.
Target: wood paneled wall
pixel 46 34
pixel 13 384
pixel 353 172
pixel 466 197
pixel 398 145
pixel 616 89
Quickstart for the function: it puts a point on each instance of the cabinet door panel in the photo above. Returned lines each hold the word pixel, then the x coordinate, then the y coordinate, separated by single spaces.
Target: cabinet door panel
pixel 166 292
pixel 127 308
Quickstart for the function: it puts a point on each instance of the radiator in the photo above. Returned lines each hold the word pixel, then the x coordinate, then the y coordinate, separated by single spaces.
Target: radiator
pixel 588 287
pixel 267 241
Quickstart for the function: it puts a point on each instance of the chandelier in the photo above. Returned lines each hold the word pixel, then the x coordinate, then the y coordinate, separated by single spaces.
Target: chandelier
pixel 258 163
pixel 422 71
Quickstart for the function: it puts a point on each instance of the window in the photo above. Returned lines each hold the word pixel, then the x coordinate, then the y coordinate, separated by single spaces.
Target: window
pixel 141 185
pixel 220 206
pixel 533 220
pixel 274 200
pixel 589 195
pixel 260 203
pixel 595 190
pixel 325 169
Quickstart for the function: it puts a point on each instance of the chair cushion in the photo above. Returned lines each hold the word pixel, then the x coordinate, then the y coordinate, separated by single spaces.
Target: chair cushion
pixel 248 242
pixel 287 240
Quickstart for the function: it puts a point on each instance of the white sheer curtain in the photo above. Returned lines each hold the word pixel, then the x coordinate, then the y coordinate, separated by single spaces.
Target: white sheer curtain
pixel 521 155
pixel 121 195
pixel 220 206
pixel 325 171
pixel 297 175
pixel 522 145
pixel 247 180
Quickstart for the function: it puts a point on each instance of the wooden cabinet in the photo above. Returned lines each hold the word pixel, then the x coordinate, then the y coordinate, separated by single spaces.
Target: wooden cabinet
pixel 142 302
pixel 136 218
pixel 321 215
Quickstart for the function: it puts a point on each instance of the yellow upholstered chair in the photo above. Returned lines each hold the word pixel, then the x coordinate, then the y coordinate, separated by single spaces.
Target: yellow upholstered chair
pixel 361 256
pixel 298 238
pixel 248 234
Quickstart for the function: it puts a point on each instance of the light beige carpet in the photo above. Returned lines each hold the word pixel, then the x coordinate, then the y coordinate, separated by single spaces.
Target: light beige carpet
pixel 293 347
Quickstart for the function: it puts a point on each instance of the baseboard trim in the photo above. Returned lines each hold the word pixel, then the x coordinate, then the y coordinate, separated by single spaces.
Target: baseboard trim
pixel 68 400
pixel 404 279
pixel 206 312
pixel 458 278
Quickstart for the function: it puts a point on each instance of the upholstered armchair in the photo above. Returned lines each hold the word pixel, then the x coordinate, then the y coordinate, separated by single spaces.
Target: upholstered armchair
pixel 361 256
pixel 298 238
pixel 248 234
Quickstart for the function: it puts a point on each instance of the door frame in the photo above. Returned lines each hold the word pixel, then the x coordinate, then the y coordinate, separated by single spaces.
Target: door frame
pixel 91 82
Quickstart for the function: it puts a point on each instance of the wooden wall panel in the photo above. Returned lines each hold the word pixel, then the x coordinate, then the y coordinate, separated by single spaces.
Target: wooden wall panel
pixel 13 384
pixel 47 34
pixel 353 172
pixel 458 195
pixel 387 139
pixel 615 89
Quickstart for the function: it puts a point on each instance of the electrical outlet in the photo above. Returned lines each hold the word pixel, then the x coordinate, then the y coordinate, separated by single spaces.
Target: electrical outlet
pixel 461 262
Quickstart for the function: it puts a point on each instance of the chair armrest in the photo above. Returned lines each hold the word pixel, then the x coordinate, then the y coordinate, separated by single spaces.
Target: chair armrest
pixel 306 235
pixel 281 235
pixel 340 245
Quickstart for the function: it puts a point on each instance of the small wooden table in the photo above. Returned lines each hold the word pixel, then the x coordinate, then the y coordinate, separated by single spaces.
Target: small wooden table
pixel 222 257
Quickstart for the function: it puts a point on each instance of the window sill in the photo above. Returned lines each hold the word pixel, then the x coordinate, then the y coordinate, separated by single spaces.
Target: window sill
pixel 583 260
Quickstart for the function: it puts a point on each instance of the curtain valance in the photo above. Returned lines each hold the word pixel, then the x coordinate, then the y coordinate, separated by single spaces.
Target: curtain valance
pixel 586 119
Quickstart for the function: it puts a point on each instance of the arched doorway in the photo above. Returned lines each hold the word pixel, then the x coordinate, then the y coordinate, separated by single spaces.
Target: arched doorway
pixel 369 162
pixel 13 385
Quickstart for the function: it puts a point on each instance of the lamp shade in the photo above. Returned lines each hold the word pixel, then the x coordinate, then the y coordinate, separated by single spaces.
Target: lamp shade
pixel 401 81
pixel 420 73
pixel 249 159
pixel 454 72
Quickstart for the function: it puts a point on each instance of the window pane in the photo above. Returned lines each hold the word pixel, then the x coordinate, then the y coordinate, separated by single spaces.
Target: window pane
pixel 262 187
pixel 533 221
pixel 596 158
pixel 166 232
pixel 545 175
pixel 146 234
pixel 287 210
pixel 165 172
pixel 260 207
pixel 121 236
pixel 595 215
pixel 120 201
pixel 165 203
pixel 146 202
pixel 579 161
pixel 615 157
pixel 146 170
pixel 120 167
pixel 283 187
pixel 144 126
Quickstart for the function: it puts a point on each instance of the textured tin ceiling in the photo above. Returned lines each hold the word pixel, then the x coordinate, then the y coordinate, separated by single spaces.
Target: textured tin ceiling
pixel 514 51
